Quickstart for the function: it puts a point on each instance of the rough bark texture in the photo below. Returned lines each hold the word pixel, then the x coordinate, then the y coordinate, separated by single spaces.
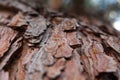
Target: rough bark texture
pixel 50 46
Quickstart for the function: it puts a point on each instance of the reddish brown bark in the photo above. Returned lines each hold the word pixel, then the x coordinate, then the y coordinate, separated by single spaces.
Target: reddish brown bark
pixel 50 46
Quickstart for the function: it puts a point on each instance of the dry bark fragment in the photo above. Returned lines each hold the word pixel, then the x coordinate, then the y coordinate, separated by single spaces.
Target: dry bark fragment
pixel 14 47
pixel 95 60
pixel 18 21
pixel 64 50
pixel 19 71
pixel 105 63
pixel 37 25
pixel 72 39
pixel 55 70
pixel 27 53
pixel 73 69
pixel 35 30
pixel 47 58
pixel 36 66
pixel 115 56
pixel 51 46
pixel 86 59
pixel 69 24
pixel 114 43
pixel 7 36
pixel 57 44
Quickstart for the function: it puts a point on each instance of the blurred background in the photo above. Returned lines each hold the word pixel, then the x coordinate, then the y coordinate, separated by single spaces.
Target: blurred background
pixel 105 10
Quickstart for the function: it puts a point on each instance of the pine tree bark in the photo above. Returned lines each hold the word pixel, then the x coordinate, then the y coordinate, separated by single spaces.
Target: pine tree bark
pixel 53 46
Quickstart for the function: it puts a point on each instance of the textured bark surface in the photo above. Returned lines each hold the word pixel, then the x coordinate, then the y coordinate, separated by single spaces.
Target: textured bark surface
pixel 50 46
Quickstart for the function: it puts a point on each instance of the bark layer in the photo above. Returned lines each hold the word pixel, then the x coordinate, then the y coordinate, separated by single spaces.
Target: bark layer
pixel 50 46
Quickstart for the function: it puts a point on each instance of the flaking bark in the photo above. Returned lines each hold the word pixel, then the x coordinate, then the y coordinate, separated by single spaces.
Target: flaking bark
pixel 52 46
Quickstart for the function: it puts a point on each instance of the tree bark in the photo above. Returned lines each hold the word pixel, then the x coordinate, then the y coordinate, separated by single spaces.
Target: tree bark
pixel 54 46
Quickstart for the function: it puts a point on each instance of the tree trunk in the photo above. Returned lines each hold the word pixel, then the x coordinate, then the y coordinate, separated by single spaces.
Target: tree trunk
pixel 54 46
